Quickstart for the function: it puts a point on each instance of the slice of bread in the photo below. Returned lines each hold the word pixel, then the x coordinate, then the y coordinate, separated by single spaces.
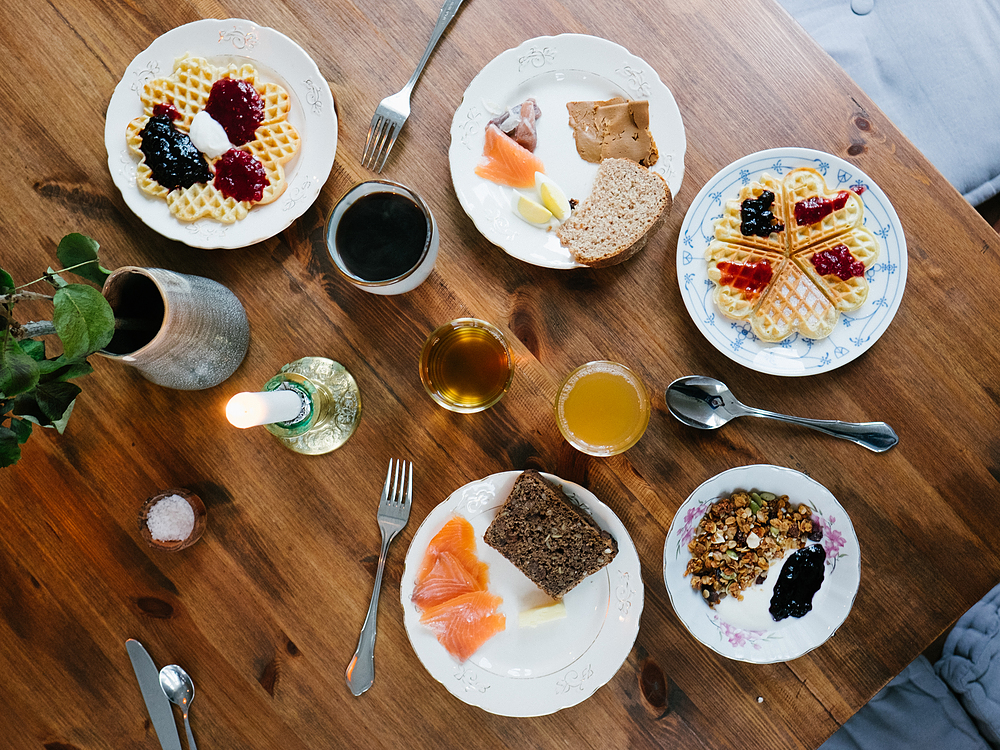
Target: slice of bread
pixel 552 541
pixel 626 206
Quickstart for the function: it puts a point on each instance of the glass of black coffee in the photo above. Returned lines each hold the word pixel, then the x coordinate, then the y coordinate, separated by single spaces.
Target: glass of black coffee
pixel 382 237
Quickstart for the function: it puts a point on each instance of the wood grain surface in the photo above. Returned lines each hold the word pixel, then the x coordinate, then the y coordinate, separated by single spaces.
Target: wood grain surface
pixel 264 611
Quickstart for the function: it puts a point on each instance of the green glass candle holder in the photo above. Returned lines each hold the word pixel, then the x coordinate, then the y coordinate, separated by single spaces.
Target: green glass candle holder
pixel 331 405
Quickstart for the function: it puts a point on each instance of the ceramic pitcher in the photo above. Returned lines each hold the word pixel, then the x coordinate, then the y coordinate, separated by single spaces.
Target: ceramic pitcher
pixel 179 331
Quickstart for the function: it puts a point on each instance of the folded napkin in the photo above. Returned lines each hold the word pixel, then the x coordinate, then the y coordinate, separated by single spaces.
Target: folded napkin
pixel 970 664
pixel 915 711
pixel 933 67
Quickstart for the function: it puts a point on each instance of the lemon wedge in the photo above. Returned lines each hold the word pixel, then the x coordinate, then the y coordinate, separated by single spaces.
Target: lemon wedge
pixel 553 198
pixel 530 210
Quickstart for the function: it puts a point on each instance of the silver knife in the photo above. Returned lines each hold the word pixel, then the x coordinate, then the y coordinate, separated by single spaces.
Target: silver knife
pixel 160 711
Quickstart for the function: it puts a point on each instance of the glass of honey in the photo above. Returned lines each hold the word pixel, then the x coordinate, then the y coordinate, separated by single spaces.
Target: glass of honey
pixel 466 365
pixel 602 408
pixel 382 237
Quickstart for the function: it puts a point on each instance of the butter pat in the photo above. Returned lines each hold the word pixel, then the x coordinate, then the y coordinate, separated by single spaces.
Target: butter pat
pixel 532 618
pixel 208 136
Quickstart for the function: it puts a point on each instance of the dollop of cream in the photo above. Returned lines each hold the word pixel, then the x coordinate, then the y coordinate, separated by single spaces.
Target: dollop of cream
pixel 208 136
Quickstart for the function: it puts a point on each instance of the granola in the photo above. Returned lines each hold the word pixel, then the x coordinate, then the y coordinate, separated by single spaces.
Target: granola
pixel 738 539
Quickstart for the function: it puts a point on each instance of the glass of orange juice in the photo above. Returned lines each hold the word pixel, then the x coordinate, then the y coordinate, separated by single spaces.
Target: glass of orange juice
pixel 602 408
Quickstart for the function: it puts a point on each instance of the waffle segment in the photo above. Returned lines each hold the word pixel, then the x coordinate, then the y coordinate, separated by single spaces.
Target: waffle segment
pixel 803 184
pixel 728 228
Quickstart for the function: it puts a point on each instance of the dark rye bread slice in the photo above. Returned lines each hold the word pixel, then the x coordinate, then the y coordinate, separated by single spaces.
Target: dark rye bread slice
pixel 550 540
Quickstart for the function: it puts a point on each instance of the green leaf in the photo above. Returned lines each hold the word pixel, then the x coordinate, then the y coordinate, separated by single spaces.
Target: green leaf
pixel 60 424
pixel 62 368
pixel 78 248
pixel 56 401
pixel 6 282
pixel 83 320
pixel 21 428
pixel 34 349
pixel 18 371
pixel 26 405
pixel 54 278
pixel 10 450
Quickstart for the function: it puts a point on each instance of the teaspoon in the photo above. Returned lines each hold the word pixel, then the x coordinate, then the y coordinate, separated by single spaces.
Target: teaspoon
pixel 707 404
pixel 178 687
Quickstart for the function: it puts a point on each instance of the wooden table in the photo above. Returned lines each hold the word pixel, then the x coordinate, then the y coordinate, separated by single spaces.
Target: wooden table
pixel 265 610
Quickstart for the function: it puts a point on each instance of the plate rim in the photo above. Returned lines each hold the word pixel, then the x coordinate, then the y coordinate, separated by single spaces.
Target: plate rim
pixel 630 622
pixel 321 153
pixel 730 348
pixel 460 122
pixel 749 469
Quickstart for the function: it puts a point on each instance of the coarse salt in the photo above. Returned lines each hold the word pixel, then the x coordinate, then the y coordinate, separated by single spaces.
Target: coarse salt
pixel 170 519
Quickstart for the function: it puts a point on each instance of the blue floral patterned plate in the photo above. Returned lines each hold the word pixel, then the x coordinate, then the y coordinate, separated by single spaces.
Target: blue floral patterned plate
pixel 744 630
pixel 796 355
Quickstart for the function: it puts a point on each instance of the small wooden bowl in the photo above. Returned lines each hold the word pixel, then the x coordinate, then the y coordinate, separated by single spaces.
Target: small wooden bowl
pixel 200 520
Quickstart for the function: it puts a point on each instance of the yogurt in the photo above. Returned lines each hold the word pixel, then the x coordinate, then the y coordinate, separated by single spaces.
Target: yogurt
pixel 208 136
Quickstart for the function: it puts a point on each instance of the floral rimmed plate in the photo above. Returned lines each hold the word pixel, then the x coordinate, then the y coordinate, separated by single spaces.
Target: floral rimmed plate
pixel 534 671
pixel 278 59
pixel 856 332
pixel 745 630
pixel 554 70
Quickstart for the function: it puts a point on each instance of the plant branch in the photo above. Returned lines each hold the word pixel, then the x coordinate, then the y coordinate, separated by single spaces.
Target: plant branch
pixel 35 328
pixel 46 276
pixel 14 296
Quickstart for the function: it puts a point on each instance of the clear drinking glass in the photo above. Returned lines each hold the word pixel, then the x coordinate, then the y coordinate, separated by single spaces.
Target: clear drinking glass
pixel 382 237
pixel 602 408
pixel 466 365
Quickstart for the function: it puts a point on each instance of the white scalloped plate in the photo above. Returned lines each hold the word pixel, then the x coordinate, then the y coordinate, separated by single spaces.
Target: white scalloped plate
pixel 554 70
pixel 855 333
pixel 535 671
pixel 279 59
pixel 745 630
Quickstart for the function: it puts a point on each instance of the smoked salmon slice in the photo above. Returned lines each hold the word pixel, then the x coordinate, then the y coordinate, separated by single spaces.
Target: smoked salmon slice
pixel 507 162
pixel 465 623
pixel 447 579
pixel 458 538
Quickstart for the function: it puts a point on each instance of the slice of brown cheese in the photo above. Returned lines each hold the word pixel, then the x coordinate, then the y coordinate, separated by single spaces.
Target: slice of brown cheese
pixel 583 120
pixel 614 128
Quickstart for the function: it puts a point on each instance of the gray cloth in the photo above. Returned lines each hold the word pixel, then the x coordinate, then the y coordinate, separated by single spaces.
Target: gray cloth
pixel 933 67
pixel 915 711
pixel 970 664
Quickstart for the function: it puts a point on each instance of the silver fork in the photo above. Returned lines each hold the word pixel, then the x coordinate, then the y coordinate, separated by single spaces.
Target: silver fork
pixel 393 512
pixel 392 111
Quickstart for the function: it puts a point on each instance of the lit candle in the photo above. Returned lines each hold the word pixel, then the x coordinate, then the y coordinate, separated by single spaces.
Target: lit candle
pixel 252 409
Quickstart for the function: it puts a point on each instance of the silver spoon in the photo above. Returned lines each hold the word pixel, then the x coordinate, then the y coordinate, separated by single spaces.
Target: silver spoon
pixel 178 687
pixel 707 404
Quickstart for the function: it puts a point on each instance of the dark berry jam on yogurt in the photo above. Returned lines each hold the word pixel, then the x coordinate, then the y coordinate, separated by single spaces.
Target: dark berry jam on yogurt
pixel 173 159
pixel 237 106
pixel 240 175
pixel 801 576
